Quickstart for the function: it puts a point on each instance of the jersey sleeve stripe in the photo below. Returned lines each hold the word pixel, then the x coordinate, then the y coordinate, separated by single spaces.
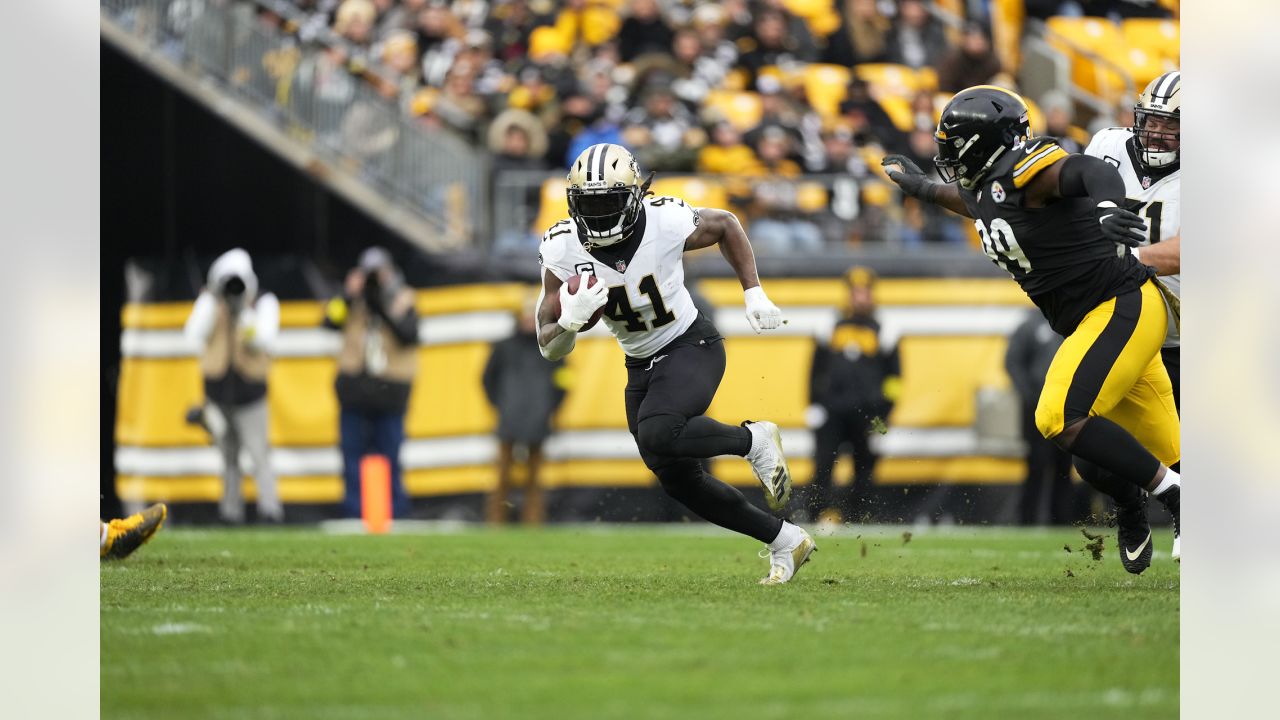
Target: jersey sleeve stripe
pixel 1025 175
pixel 1030 159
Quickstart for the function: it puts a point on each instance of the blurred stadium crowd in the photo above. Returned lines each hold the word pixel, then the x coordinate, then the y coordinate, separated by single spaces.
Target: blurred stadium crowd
pixel 780 108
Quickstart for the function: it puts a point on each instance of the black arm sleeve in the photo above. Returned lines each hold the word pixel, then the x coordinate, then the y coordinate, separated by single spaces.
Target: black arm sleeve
pixel 1088 176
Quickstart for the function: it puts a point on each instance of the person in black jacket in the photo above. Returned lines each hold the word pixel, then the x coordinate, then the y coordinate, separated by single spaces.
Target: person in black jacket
pixel 853 383
pixel 525 390
pixel 1031 350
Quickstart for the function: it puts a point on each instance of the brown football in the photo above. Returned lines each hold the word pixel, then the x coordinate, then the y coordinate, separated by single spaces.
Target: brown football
pixel 573 283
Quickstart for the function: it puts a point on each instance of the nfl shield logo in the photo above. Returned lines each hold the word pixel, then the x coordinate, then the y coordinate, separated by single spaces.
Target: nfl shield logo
pixel 997 192
pixel 621 266
pixel 1146 182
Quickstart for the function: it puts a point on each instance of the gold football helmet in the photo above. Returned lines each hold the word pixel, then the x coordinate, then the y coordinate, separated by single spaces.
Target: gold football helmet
pixel 1156 121
pixel 605 193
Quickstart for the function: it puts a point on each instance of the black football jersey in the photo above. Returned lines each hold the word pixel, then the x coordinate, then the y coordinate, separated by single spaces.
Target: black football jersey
pixel 1057 253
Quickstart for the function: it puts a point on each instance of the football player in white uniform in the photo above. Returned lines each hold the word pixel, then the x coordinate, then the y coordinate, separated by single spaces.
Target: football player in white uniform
pixel 675 358
pixel 1147 156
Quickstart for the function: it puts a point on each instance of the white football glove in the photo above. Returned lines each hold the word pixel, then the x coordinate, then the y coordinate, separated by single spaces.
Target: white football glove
pixel 577 308
pixel 761 312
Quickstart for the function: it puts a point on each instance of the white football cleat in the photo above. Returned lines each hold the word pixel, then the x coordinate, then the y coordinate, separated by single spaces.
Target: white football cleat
pixel 784 562
pixel 1176 553
pixel 768 463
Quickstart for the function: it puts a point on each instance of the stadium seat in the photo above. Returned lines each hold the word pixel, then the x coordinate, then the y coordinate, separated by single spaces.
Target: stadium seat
pixel 696 191
pixel 600 24
pixel 1144 65
pixel 742 109
pixel 825 86
pixel 898 108
pixel 820 16
pixel 1007 18
pixel 927 78
pixel 547 40
pixel 1161 37
pixel 1034 116
pixel 1081 37
pixel 554 206
pixel 889 77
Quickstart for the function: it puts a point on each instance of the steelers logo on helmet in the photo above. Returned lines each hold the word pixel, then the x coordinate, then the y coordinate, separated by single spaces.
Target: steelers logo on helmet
pixel 604 194
pixel 978 126
pixel 1157 120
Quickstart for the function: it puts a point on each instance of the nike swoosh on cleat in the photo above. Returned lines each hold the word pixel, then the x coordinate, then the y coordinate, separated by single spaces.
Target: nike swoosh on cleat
pixel 1134 555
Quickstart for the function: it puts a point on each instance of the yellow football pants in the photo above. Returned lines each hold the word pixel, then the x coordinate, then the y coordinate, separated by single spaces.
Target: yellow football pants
pixel 1111 366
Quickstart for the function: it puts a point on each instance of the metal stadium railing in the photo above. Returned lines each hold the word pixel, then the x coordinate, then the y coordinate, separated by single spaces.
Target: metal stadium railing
pixel 319 91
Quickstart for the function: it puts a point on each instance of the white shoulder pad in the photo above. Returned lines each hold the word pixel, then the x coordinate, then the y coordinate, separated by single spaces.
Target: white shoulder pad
pixel 675 218
pixel 1109 141
pixel 553 252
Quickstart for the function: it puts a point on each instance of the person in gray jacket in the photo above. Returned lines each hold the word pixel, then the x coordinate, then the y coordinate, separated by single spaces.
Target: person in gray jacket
pixel 525 390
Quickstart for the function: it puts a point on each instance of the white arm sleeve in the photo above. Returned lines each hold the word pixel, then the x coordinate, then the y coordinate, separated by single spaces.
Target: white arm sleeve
pixel 200 323
pixel 267 325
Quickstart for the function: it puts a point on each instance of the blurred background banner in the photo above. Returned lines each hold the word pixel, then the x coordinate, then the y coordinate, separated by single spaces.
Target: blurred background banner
pixel 306 131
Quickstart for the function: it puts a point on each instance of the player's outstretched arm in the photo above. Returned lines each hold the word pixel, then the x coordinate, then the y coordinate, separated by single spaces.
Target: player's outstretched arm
pixel 916 184
pixel 720 227
pixel 1165 256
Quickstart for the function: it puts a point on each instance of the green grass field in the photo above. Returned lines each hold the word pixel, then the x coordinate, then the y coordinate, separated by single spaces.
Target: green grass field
pixel 635 622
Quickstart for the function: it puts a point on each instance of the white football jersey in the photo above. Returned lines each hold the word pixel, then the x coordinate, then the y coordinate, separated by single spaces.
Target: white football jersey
pixel 1159 202
pixel 648 304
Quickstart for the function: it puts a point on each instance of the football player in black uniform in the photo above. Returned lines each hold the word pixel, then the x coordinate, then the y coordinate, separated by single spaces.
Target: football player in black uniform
pixel 1056 223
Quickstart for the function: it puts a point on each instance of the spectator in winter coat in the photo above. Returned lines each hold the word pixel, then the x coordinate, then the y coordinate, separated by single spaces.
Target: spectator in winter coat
pixel 525 390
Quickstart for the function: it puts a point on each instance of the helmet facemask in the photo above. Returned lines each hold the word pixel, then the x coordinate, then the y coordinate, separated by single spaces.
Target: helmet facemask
pixel 1167 135
pixel 604 216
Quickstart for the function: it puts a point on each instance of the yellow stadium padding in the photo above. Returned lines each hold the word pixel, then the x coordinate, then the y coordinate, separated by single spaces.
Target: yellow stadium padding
pixel 436 482
pixel 1159 37
pixel 153 399
pixel 743 110
pixel 554 204
pixel 448 396
pixel 934 394
pixel 825 86
pixel 766 378
pixel 725 292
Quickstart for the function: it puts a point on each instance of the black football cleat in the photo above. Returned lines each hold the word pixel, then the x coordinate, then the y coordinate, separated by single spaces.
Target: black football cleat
pixel 1133 533
pixel 1172 499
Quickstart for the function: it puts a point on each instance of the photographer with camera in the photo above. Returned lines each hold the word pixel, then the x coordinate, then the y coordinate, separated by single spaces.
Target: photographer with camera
pixel 232 327
pixel 376 364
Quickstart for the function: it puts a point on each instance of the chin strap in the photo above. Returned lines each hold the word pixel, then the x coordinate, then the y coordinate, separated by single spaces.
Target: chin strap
pixel 644 189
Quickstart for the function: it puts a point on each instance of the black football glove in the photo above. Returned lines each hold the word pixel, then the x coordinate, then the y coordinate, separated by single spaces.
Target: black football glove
pixel 1120 225
pixel 911 178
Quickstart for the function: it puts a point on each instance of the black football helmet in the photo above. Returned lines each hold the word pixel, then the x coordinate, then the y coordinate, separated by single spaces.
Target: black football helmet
pixel 978 126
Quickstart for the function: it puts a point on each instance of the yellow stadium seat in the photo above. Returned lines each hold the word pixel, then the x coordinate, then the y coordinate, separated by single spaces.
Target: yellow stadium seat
pixel 742 109
pixel 811 197
pixel 600 24
pixel 1007 18
pixel 820 16
pixel 1160 37
pixel 927 79
pixel 1076 36
pixel 554 205
pixel 889 77
pixel 825 86
pixel 898 108
pixel 696 191
pixel 788 78
pixel 736 80
pixel 1144 65
pixel 1034 116
pixel 547 40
